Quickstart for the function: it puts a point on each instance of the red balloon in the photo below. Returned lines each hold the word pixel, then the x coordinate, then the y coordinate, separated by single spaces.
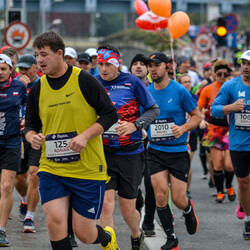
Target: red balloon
pixel 151 22
pixel 140 7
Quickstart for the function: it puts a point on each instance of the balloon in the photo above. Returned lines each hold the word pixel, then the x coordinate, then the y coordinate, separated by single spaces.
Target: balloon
pixel 140 7
pixel 151 22
pixel 178 24
pixel 160 7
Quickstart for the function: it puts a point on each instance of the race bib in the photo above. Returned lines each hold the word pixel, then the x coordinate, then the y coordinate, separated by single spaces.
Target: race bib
pixel 161 131
pixel 242 120
pixel 56 148
pixel 111 134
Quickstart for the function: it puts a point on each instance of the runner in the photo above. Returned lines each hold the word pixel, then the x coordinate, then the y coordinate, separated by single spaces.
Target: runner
pixel 84 61
pixel 70 56
pixel 12 96
pixel 168 157
pixel 93 55
pixel 216 136
pixel 234 100
pixel 139 69
pixel 123 142
pixel 73 110
pixel 185 80
pixel 29 164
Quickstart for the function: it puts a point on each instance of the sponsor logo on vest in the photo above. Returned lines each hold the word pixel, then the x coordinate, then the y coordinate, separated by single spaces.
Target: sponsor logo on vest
pixel 67 95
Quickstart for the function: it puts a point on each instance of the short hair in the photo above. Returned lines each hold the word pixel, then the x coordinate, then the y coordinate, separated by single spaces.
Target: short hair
pixel 51 39
pixel 10 52
pixel 181 76
pixel 109 47
pixel 222 63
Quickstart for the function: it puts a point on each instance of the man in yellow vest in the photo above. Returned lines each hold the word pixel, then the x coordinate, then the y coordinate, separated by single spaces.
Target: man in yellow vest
pixel 73 110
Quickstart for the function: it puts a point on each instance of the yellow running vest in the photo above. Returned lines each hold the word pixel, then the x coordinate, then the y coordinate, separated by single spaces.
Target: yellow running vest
pixel 64 111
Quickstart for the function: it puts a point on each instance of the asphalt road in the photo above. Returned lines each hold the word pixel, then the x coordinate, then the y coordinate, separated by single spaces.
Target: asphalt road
pixel 219 228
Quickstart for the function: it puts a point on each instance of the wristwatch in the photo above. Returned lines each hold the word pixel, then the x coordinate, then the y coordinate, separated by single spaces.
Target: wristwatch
pixel 139 125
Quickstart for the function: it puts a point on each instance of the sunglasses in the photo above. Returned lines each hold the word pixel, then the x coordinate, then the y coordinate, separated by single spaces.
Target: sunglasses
pixel 219 74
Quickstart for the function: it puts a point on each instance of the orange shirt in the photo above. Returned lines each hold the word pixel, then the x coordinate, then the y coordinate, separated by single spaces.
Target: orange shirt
pixel 208 94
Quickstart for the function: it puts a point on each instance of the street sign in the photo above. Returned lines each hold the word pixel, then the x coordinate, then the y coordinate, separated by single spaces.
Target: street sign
pixel 201 59
pixel 187 51
pixel 17 35
pixel 232 22
pixel 203 42
pixel 231 40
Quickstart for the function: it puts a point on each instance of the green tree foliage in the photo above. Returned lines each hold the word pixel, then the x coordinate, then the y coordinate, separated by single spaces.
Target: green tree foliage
pixel 107 24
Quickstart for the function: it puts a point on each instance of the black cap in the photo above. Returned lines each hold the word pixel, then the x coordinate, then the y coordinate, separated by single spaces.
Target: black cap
pixel 138 58
pixel 26 61
pixel 158 57
pixel 84 57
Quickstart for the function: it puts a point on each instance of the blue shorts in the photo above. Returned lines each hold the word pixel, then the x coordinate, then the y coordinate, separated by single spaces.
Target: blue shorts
pixel 86 195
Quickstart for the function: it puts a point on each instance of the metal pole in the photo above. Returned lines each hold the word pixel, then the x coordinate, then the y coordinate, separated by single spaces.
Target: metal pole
pixel 24 12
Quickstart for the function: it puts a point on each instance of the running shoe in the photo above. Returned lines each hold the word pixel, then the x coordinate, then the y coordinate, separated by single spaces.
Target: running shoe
pixel 3 239
pixel 137 243
pixel 148 230
pixel 72 240
pixel 112 245
pixel 22 211
pixel 191 220
pixel 246 232
pixel 231 194
pixel 28 226
pixel 171 244
pixel 220 198
pixel 188 194
pixel 240 212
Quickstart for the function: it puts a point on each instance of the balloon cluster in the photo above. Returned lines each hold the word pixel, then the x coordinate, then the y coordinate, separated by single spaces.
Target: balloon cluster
pixel 159 17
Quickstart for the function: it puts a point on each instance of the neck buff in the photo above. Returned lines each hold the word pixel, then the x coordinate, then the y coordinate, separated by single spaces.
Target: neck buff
pixel 6 84
pixel 109 56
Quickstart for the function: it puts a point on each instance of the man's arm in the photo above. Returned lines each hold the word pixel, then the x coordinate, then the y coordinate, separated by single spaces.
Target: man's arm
pixel 195 119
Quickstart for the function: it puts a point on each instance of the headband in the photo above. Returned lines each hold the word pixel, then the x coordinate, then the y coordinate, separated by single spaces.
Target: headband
pixel 109 56
pixel 222 67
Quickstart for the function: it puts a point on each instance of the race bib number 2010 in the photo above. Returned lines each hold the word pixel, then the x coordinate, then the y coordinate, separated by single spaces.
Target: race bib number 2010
pixel 56 148
pixel 161 130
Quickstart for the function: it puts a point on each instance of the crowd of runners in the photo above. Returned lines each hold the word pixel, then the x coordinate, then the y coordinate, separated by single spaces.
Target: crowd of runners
pixel 79 130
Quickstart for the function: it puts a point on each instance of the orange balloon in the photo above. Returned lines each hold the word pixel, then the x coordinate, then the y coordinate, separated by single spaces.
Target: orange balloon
pixel 178 24
pixel 160 7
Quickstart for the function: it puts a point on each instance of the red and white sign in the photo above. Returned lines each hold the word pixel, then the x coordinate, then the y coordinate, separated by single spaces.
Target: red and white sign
pixel 203 42
pixel 188 51
pixel 17 35
pixel 201 60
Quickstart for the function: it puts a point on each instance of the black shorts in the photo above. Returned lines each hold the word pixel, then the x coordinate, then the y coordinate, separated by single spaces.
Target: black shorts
pixel 178 164
pixel 126 174
pixel 31 158
pixel 193 141
pixel 10 158
pixel 241 163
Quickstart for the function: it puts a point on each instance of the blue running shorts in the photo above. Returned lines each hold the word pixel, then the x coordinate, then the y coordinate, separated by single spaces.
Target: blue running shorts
pixel 86 195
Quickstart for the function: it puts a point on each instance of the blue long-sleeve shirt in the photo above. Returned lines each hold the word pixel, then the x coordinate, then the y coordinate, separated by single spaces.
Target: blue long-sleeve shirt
pixel 239 122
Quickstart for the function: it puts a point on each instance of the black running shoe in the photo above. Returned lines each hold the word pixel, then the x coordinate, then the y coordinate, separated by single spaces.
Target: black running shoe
pixel 137 243
pixel 72 240
pixel 246 232
pixel 171 244
pixel 191 220
pixel 148 230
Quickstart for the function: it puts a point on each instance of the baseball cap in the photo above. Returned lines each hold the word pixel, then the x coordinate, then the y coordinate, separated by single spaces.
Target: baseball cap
pixel 84 57
pixel 70 52
pixel 91 52
pixel 158 57
pixel 245 55
pixel 26 61
pixel 5 59
pixel 182 59
pixel 140 58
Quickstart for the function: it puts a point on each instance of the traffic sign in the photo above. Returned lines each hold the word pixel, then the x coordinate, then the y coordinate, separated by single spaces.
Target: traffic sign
pixel 201 60
pixel 232 22
pixel 231 40
pixel 203 42
pixel 17 35
pixel 187 51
